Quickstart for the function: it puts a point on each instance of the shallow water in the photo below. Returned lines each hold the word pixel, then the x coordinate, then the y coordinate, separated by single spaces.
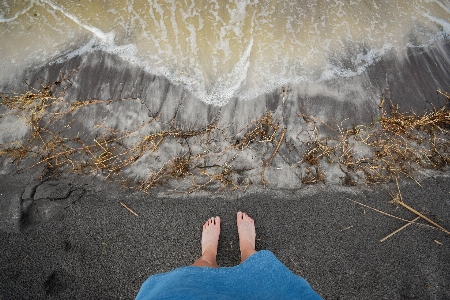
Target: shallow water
pixel 221 49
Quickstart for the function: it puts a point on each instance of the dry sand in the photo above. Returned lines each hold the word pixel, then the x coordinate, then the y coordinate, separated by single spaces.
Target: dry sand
pixel 87 245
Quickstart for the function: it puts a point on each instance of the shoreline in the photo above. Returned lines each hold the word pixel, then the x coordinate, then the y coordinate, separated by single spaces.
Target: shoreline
pixel 394 146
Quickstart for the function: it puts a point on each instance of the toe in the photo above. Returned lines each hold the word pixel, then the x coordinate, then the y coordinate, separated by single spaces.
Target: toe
pixel 247 218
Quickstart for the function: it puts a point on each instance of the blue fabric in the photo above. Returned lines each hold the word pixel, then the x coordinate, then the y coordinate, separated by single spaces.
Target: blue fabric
pixel 261 276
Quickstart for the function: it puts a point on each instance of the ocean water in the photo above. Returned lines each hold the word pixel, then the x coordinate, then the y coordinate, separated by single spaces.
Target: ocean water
pixel 220 50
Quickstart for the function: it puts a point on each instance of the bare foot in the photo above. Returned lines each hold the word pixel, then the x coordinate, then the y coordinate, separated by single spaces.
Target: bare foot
pixel 210 241
pixel 210 236
pixel 247 235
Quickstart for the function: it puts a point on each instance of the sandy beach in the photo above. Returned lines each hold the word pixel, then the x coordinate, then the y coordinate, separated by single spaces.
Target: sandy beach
pixel 67 234
pixel 108 171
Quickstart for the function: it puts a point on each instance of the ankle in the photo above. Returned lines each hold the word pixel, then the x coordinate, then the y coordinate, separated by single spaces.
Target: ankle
pixel 246 246
pixel 205 262
pixel 246 254
pixel 209 256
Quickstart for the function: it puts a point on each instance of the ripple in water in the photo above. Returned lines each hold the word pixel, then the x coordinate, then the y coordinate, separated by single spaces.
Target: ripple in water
pixel 221 49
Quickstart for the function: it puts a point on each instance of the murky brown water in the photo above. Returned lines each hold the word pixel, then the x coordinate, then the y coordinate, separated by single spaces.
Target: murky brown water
pixel 221 49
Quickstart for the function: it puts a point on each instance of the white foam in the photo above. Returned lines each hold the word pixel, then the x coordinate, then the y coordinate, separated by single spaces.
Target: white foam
pixel 445 7
pixel 100 40
pixel 445 25
pixel 228 86
pixel 104 38
pixel 360 61
pixel 4 20
pixel 244 48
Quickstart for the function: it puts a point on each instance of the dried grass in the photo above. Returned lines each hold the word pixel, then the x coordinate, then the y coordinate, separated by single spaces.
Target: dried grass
pixel 396 145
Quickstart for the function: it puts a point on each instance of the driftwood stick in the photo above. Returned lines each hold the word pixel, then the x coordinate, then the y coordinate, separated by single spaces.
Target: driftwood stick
pixel 399 200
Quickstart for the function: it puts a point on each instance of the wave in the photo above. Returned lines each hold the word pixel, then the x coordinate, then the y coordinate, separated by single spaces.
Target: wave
pixel 220 51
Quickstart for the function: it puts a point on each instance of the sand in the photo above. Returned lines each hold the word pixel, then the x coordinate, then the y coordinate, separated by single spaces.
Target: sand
pixel 92 247
pixel 66 235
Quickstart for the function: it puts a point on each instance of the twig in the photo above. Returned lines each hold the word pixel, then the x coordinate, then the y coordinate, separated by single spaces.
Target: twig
pixel 129 209
pixel 398 230
pixel 399 200
pixel 347 228
pixel 423 217
pixel 389 215
pixel 278 147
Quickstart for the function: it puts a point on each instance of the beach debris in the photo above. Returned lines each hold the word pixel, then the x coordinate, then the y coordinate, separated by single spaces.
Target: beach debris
pixel 398 199
pixel 313 175
pixel 400 202
pixel 389 215
pixel 129 209
pixel 398 230
pixel 212 157
pixel 262 130
pixel 283 132
pixel 347 228
pixel 393 147
pixel 106 244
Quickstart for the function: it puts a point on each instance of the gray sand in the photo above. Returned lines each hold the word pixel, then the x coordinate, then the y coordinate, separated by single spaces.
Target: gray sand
pixel 94 248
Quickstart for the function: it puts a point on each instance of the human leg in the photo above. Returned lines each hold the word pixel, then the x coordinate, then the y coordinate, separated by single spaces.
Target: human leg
pixel 247 235
pixel 210 241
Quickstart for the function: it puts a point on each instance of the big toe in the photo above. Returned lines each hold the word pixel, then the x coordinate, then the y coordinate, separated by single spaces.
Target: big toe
pixel 243 218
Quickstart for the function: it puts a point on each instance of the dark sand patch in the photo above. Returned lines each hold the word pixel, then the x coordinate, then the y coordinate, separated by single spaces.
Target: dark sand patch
pixel 97 249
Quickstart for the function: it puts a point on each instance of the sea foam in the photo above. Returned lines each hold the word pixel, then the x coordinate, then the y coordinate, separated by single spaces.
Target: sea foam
pixel 219 51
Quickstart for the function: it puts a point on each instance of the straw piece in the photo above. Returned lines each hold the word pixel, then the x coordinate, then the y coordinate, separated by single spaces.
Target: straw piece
pixel 399 200
pixel 129 209
pixel 389 215
pixel 347 228
pixel 278 147
pixel 398 230
pixel 423 217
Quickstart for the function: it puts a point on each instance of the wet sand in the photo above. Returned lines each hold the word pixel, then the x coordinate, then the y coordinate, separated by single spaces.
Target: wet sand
pixel 133 98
